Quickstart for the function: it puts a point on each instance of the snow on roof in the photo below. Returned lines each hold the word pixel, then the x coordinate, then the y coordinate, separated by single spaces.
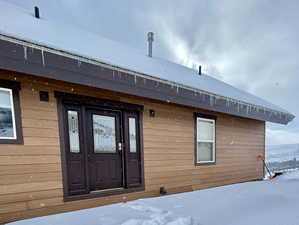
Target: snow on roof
pixel 21 24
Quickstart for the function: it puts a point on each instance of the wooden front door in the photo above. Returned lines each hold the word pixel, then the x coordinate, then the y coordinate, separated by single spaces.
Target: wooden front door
pixel 104 149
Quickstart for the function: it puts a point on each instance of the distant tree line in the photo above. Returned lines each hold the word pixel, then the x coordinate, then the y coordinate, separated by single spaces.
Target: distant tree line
pixel 285 165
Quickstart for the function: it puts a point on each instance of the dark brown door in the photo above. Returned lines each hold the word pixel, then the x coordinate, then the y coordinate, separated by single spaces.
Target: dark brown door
pixel 104 147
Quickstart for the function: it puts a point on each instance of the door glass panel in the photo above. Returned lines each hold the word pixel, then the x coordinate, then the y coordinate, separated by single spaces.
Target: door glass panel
pixel 132 134
pixel 73 131
pixel 104 133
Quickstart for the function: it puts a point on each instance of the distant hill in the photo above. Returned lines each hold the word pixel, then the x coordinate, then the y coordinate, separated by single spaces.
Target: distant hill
pixel 280 153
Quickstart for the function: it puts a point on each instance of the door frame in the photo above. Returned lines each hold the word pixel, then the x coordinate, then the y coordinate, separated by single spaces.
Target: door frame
pixel 80 100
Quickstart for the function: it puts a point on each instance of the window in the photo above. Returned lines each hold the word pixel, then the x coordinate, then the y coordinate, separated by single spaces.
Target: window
pixel 10 127
pixel 205 140
pixel 73 131
pixel 104 134
pixel 7 117
pixel 132 134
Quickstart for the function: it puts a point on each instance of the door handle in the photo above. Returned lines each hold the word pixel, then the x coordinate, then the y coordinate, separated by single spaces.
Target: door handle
pixel 120 147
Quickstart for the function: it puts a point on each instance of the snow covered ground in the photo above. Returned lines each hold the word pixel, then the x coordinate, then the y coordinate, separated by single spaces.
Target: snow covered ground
pixel 274 202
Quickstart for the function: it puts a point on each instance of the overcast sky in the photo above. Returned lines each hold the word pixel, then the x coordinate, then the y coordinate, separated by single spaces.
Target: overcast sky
pixel 252 45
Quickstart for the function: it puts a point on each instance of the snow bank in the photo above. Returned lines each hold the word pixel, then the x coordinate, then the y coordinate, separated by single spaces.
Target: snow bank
pixel 252 203
pixel 291 176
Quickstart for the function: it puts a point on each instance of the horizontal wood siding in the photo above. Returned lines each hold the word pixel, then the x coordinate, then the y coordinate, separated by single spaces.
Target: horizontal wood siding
pixel 31 177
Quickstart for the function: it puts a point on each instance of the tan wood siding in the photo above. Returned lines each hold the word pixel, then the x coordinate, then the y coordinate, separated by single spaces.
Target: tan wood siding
pixel 31 177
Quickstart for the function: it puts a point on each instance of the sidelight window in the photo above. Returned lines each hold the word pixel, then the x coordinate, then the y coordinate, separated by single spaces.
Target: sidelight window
pixel 132 134
pixel 74 131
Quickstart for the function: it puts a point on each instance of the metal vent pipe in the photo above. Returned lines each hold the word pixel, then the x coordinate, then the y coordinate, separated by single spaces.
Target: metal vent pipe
pixel 150 39
pixel 36 12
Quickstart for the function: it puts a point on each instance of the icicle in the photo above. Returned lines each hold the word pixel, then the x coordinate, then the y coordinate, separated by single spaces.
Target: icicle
pixel 135 79
pixel 79 63
pixel 257 108
pixel 25 52
pixel 177 89
pixel 199 94
pixel 113 75
pixel 144 80
pixel 211 100
pixel 43 58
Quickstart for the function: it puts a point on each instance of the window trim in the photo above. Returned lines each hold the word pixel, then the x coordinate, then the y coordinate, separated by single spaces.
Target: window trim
pixel 13 87
pixel 204 117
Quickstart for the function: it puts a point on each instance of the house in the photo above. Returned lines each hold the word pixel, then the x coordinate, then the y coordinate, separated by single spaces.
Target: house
pixel 85 121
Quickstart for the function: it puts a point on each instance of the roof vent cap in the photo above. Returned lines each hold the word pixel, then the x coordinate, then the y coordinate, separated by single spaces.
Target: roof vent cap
pixel 36 12
pixel 150 39
pixel 199 70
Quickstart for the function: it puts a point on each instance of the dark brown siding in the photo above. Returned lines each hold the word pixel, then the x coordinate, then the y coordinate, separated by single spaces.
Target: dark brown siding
pixel 31 177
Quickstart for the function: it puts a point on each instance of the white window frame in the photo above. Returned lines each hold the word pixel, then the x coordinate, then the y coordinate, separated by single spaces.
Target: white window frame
pixel 213 141
pixel 13 115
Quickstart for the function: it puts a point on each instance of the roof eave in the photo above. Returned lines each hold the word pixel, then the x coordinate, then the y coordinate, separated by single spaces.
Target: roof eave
pixel 21 56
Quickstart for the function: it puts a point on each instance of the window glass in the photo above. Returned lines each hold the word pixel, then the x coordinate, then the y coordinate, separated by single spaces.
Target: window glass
pixel 205 153
pixel 205 130
pixel 205 146
pixel 132 133
pixel 104 134
pixel 74 131
pixel 7 120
